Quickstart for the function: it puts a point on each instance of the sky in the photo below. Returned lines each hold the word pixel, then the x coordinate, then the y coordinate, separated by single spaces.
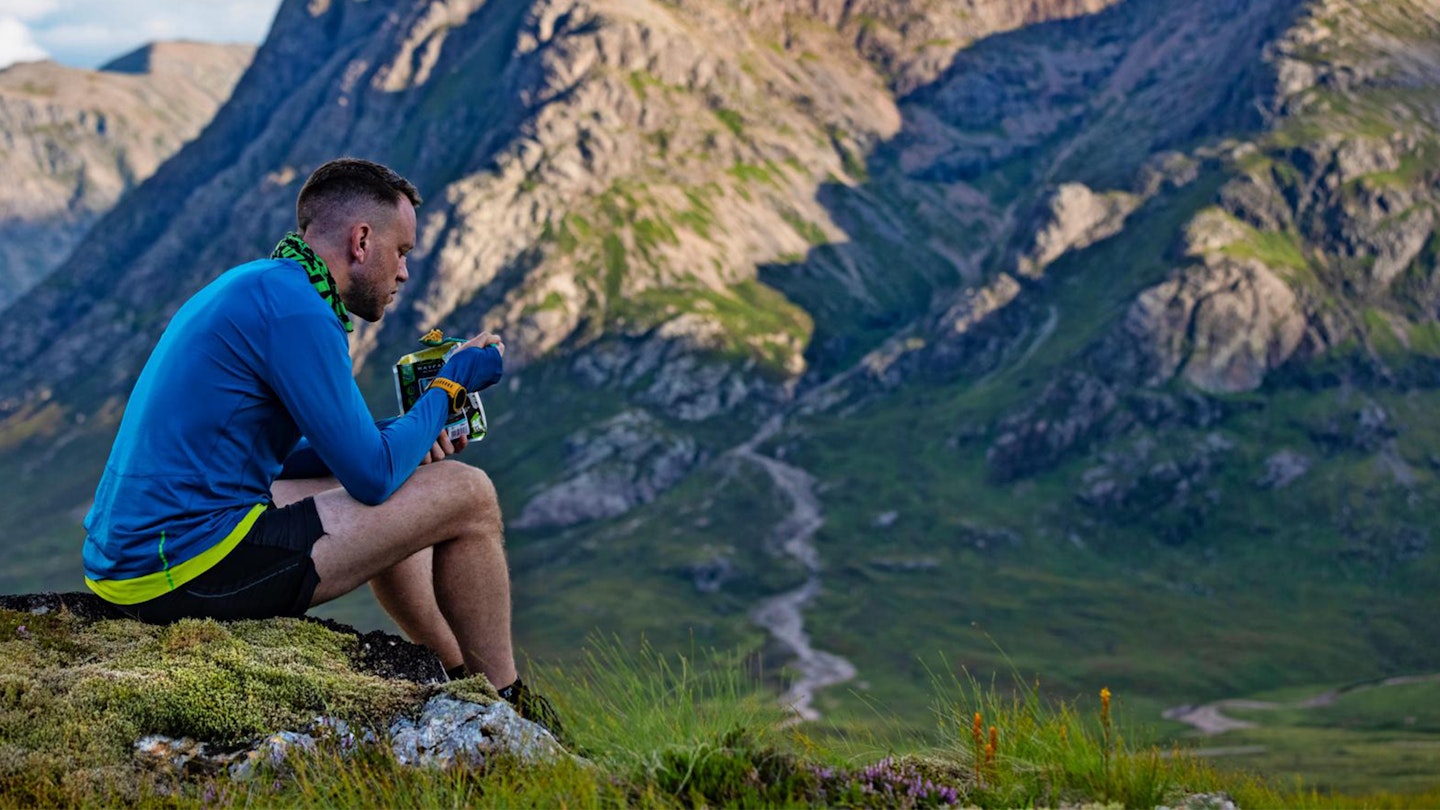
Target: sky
pixel 88 33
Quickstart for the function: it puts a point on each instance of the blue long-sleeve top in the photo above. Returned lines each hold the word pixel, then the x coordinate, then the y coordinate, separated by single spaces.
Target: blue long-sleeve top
pixel 249 365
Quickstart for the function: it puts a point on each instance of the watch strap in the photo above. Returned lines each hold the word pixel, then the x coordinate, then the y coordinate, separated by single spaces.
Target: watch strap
pixel 455 390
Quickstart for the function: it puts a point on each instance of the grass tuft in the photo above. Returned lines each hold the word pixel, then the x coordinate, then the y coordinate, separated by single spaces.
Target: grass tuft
pixel 1020 750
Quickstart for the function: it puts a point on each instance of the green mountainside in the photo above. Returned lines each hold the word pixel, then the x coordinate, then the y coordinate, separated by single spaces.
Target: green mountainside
pixel 1098 344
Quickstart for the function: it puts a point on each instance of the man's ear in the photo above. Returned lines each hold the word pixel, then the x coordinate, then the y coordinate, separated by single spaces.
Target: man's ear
pixel 359 241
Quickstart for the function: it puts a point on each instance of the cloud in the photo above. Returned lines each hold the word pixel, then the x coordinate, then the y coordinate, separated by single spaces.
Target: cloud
pixel 27 10
pixel 17 43
pixel 88 33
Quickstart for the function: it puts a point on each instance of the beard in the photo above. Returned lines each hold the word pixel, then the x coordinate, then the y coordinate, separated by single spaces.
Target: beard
pixel 368 300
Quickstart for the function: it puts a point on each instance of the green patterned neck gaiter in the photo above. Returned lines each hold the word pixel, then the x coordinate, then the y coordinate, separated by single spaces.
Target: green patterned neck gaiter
pixel 292 247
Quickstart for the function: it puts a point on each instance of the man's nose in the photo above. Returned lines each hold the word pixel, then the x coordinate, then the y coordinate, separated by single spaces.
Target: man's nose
pixel 404 272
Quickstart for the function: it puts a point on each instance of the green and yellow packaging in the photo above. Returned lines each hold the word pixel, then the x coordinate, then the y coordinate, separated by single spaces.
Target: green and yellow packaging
pixel 415 371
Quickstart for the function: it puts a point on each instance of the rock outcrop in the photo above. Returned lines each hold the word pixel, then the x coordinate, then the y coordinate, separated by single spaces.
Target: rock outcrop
pixel 106 706
pixel 1221 325
pixel 1072 217
pixel 622 463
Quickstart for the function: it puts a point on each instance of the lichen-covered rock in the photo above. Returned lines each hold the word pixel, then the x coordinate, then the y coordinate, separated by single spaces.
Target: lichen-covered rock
pixel 186 756
pixel 449 731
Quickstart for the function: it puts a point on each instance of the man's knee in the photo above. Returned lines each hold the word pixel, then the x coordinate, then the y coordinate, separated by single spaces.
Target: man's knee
pixel 473 491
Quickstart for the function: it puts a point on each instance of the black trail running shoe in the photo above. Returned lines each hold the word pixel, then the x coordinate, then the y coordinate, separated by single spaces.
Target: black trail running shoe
pixel 535 708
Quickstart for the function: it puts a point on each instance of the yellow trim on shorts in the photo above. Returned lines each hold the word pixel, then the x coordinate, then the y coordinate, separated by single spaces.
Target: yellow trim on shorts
pixel 149 586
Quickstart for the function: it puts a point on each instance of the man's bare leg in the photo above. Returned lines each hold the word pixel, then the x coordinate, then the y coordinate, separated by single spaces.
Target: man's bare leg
pixel 449 506
pixel 407 592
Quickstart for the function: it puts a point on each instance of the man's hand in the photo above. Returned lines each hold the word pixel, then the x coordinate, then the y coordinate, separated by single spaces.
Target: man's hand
pixel 484 339
pixel 477 370
pixel 444 447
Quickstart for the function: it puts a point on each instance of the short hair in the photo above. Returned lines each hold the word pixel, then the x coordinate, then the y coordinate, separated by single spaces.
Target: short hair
pixel 339 184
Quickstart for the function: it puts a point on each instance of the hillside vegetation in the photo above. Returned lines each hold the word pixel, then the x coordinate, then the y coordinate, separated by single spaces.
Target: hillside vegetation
pixel 82 697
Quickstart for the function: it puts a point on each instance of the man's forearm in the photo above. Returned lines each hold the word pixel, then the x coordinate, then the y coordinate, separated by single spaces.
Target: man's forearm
pixel 304 462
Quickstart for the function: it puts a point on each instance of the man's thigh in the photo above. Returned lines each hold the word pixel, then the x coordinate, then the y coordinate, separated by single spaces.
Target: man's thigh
pixel 361 541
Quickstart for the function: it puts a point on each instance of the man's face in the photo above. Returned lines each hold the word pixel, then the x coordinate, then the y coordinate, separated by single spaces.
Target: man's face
pixel 376 279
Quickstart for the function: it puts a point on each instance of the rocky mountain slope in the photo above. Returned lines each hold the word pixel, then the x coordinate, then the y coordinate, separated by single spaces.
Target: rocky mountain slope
pixel 605 178
pixel 924 316
pixel 75 140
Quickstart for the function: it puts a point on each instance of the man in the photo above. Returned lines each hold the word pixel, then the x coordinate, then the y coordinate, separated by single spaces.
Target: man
pixel 213 505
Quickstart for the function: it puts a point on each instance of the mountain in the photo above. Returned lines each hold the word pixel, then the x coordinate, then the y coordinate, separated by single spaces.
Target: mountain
pixel 1102 334
pixel 76 140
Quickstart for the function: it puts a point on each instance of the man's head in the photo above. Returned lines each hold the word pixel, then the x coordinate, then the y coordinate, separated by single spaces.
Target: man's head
pixel 359 217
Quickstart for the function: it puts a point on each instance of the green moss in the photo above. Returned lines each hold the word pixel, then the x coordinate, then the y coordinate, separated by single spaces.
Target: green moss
pixel 851 159
pixel 579 225
pixel 696 220
pixel 643 81
pixel 567 234
pixel 1278 249
pixel 616 206
pixel 475 688
pixel 74 697
pixel 29 422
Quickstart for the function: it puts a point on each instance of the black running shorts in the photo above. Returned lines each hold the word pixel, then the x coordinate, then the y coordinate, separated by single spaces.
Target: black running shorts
pixel 269 573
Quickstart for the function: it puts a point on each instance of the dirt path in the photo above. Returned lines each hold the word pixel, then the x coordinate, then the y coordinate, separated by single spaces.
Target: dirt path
pixel 1210 718
pixel 783 615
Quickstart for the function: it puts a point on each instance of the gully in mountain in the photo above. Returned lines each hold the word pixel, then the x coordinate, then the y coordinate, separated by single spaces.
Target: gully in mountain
pixel 248 479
